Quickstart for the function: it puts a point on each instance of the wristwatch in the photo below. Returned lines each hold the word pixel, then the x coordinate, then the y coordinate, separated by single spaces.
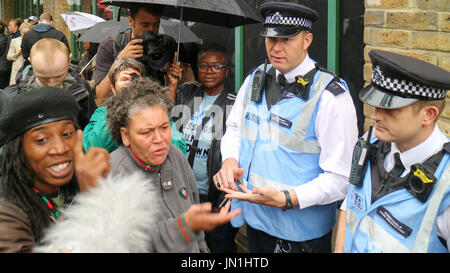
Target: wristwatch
pixel 288 201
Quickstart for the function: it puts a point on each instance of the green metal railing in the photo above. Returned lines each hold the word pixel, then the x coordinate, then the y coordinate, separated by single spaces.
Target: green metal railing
pixel 333 36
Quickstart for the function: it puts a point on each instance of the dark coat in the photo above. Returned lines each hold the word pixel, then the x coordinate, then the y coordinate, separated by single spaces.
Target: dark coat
pixel 37 33
pixel 5 65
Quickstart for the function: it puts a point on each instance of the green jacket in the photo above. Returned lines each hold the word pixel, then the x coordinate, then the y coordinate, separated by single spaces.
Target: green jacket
pixel 96 133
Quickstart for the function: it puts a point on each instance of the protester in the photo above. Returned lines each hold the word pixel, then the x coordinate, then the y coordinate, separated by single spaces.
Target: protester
pixel 50 60
pixel 399 196
pixel 44 29
pixel 33 20
pixel 138 118
pixel 15 52
pixel 41 170
pixel 289 141
pixel 143 18
pixel 203 127
pixel 13 28
pixel 96 132
pixel 5 65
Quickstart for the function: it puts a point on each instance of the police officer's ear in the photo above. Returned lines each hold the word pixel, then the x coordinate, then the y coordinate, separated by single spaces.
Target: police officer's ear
pixel 307 39
pixel 429 114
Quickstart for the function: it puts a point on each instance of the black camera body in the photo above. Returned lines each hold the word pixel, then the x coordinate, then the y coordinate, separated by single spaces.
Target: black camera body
pixel 158 50
pixel 421 182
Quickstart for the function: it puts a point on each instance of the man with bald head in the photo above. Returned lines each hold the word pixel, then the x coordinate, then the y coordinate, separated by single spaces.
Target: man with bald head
pixel 44 29
pixel 50 61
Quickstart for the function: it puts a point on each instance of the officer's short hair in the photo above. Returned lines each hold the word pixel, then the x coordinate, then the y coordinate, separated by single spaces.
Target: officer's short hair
pixel 439 104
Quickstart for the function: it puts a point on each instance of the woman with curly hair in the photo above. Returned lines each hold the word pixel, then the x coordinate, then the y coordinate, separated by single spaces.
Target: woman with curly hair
pixel 138 118
pixel 43 164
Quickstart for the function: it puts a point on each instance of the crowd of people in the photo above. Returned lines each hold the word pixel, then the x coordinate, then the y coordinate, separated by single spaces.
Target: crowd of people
pixel 277 155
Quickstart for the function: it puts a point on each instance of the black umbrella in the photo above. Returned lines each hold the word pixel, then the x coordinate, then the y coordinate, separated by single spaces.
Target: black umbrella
pixel 226 13
pixel 104 30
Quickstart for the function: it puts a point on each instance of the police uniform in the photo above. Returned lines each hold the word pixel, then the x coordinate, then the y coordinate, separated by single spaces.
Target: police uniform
pixel 296 132
pixel 400 201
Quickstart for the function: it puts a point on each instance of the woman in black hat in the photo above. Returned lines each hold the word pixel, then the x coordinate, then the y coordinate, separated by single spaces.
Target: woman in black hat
pixel 41 148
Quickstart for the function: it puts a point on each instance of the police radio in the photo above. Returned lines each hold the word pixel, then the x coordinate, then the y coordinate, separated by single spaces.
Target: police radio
pixel 258 83
pixel 359 159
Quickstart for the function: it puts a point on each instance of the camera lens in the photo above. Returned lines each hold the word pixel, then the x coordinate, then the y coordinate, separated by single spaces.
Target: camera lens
pixel 416 184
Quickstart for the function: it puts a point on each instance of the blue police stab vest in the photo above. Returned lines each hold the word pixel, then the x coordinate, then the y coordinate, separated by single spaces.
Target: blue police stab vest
pixel 397 222
pixel 279 149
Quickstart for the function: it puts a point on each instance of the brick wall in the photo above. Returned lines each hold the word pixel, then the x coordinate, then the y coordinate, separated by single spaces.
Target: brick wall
pixel 417 28
pixel 55 8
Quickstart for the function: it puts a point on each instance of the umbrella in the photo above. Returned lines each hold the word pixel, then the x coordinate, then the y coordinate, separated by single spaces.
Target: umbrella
pixel 104 30
pixel 78 22
pixel 226 13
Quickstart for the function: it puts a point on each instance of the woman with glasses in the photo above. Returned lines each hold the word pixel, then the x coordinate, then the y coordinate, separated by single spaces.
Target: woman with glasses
pixel 200 114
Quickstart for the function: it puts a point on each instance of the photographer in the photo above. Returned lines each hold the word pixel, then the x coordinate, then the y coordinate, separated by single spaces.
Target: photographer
pixel 143 19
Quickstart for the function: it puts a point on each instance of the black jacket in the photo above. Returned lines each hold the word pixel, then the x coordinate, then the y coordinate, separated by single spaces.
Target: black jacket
pixel 37 33
pixel 185 96
pixel 5 65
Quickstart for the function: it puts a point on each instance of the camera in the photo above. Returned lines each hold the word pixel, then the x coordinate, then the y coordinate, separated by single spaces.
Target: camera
pixel 158 49
pixel 421 182
pixel 134 76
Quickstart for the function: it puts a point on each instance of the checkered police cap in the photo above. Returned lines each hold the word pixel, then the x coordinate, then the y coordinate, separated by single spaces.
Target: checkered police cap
pixel 278 19
pixel 406 87
pixel 286 19
pixel 399 80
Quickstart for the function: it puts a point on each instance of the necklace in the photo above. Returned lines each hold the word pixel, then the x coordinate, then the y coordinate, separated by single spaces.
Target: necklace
pixel 56 216
pixel 153 169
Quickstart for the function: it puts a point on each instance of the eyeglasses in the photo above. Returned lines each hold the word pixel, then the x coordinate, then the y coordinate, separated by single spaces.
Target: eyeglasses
pixel 215 68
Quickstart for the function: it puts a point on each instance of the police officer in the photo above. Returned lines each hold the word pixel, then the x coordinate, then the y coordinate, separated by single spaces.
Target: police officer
pixel 399 197
pixel 289 140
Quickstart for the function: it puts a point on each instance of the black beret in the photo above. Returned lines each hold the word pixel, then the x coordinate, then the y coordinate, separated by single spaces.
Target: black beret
pixel 399 81
pixel 36 107
pixel 286 19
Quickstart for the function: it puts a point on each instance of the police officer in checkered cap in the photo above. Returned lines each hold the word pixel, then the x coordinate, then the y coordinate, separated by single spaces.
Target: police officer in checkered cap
pixel 399 194
pixel 291 153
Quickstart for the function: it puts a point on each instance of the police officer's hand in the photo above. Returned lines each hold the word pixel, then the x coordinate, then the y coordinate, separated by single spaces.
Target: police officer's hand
pixel 267 196
pixel 89 166
pixel 226 176
pixel 199 216
pixel 133 50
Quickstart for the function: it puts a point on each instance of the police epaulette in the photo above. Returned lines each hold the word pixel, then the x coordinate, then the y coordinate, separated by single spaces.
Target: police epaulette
pixel 447 147
pixel 335 88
